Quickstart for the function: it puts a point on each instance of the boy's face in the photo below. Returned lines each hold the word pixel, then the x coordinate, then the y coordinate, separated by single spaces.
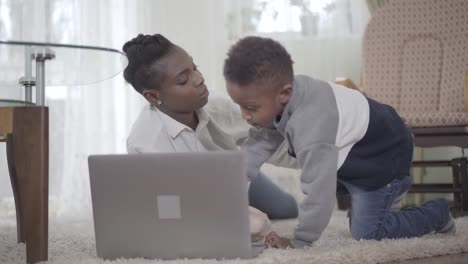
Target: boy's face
pixel 259 104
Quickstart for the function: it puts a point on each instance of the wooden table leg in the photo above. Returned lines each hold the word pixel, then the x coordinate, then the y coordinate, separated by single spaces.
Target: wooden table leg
pixel 28 156
pixel 14 186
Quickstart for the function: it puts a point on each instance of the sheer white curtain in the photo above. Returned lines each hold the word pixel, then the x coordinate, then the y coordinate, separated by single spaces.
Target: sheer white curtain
pixel 96 118
pixel 323 36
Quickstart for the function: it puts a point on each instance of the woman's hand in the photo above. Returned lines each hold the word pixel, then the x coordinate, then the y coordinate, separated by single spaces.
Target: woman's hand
pixel 273 240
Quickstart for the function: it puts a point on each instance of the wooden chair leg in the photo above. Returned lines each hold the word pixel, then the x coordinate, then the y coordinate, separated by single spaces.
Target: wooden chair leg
pixel 343 198
pixel 29 155
pixel 464 184
pixel 460 181
pixel 344 201
pixel 14 186
pixel 457 197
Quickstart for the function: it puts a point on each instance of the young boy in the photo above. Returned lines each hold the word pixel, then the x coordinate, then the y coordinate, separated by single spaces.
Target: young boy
pixel 336 134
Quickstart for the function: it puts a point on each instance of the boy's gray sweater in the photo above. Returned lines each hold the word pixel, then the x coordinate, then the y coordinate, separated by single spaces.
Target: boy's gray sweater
pixel 334 133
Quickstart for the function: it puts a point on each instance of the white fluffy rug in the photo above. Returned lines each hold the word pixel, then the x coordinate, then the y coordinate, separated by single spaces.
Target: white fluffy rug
pixel 73 242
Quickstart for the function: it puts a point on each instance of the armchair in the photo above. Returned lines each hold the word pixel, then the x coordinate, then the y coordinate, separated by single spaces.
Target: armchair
pixel 415 58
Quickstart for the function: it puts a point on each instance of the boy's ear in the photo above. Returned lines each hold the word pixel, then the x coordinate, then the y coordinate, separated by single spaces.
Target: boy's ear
pixel 284 93
pixel 151 96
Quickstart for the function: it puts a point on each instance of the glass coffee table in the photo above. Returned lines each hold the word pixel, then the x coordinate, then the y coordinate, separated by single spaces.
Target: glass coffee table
pixel 26 68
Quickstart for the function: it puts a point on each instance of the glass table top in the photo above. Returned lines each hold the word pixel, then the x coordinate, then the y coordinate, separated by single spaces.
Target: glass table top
pixel 12 102
pixel 71 65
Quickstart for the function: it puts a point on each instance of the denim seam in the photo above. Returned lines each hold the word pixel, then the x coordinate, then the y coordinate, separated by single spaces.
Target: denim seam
pixel 394 189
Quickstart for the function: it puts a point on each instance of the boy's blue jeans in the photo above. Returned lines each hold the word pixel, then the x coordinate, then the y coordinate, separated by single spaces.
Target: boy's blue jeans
pixel 376 215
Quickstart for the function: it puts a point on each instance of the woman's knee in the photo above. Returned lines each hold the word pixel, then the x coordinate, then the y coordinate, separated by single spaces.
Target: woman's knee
pixel 287 209
pixel 266 196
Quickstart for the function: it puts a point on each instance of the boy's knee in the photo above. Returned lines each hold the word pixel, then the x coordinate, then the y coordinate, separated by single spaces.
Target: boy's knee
pixel 367 233
pixel 375 235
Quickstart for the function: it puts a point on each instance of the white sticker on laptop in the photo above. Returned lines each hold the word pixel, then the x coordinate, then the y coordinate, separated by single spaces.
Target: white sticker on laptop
pixel 169 207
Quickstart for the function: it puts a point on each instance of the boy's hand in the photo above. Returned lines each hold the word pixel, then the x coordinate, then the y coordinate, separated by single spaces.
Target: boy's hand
pixel 273 240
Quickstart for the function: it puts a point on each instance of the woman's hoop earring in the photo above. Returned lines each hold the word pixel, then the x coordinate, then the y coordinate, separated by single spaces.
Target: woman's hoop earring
pixel 159 102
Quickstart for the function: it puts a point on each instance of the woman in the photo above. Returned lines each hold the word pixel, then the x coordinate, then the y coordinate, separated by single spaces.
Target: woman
pixel 175 121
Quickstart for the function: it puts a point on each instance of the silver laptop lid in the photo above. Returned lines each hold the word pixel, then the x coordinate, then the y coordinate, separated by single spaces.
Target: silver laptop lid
pixel 170 205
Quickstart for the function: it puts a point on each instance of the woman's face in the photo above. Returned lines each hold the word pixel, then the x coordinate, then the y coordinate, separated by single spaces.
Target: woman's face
pixel 182 88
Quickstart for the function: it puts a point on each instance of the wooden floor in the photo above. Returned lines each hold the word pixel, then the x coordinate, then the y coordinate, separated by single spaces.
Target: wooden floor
pixel 461 258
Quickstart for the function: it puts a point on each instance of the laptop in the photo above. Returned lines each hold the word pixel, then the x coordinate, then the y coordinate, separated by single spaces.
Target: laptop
pixel 171 205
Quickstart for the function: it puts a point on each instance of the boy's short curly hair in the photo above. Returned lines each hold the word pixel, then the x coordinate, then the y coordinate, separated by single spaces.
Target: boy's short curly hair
pixel 256 59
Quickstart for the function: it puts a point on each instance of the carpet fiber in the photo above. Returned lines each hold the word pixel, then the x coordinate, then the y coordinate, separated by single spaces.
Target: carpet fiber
pixel 73 242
